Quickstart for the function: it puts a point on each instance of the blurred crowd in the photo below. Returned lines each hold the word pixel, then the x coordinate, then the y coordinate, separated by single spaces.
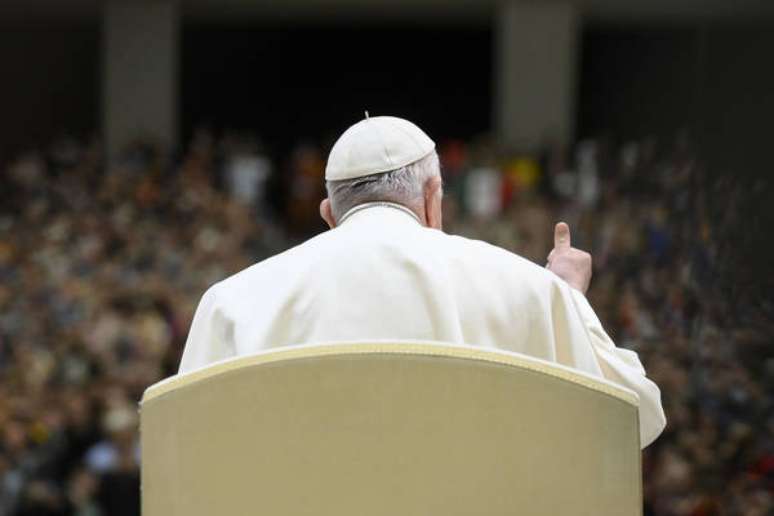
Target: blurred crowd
pixel 102 266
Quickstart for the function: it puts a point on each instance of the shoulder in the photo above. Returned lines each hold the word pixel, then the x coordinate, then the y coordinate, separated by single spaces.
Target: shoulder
pixel 495 272
pixel 461 253
pixel 487 254
pixel 282 266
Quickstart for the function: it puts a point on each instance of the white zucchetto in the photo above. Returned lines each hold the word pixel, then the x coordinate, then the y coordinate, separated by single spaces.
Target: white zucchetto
pixel 375 145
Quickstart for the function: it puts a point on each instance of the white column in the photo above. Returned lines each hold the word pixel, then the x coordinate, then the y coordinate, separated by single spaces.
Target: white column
pixel 536 50
pixel 140 57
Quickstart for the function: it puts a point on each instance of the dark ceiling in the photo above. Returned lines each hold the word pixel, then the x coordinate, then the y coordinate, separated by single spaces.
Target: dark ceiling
pixel 469 12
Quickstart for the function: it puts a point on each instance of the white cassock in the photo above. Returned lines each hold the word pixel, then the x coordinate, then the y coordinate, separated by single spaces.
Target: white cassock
pixel 382 275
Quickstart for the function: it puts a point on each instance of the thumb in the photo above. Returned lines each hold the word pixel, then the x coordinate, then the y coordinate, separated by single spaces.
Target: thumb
pixel 562 236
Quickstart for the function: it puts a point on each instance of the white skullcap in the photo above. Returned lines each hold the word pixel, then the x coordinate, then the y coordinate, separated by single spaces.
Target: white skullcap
pixel 374 145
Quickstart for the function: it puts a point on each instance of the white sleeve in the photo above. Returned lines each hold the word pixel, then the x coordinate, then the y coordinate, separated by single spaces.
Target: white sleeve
pixel 623 367
pixel 211 337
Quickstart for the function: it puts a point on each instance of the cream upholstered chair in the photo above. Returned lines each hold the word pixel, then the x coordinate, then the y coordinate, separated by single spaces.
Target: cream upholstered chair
pixel 380 429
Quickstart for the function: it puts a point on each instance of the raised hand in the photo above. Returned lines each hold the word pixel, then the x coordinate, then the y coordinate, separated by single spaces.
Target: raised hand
pixel 570 264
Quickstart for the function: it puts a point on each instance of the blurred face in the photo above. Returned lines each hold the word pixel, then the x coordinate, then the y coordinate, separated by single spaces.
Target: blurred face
pixel 14 437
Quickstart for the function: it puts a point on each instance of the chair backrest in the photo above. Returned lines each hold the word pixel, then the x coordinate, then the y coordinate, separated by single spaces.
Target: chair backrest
pixel 389 429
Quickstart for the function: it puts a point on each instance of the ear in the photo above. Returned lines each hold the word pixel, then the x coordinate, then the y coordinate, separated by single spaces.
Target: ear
pixel 327 213
pixel 433 202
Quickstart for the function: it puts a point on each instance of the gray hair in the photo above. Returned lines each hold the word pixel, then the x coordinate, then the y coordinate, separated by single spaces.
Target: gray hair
pixel 404 185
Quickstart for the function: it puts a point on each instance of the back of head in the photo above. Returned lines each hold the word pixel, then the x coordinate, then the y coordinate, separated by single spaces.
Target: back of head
pixel 380 159
pixel 404 185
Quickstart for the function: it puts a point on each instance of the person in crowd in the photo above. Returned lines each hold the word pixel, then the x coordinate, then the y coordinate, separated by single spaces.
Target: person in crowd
pixel 386 271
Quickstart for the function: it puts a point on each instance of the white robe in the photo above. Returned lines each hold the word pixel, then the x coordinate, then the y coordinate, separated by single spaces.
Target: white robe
pixel 381 275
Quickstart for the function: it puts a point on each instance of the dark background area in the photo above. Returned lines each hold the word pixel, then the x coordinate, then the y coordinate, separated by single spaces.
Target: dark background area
pixel 49 85
pixel 301 83
pixel 715 82
pixel 297 82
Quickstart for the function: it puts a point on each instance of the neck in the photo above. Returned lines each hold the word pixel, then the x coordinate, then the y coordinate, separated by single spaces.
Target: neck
pixel 384 204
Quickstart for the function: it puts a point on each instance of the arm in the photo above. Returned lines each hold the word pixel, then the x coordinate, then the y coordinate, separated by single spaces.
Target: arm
pixel 621 366
pixel 211 337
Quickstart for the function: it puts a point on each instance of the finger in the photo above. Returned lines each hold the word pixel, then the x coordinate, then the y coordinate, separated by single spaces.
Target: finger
pixel 550 255
pixel 562 236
